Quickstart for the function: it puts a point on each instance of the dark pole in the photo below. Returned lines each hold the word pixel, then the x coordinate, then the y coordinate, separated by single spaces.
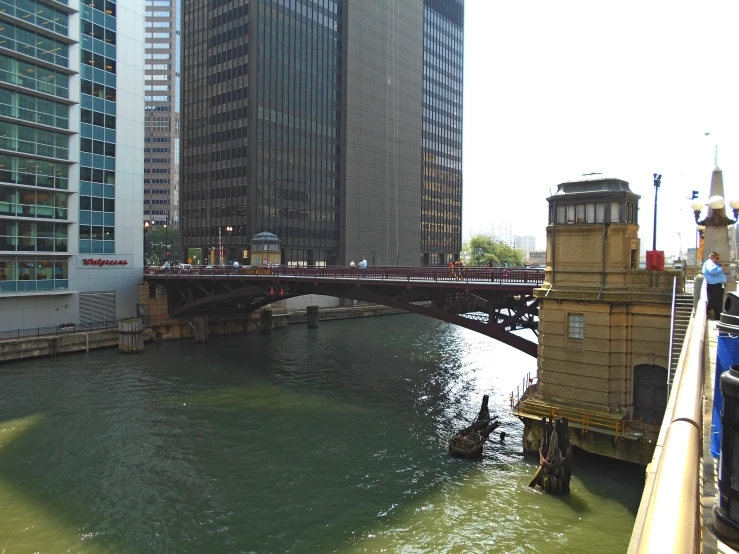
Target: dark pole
pixel 166 242
pixel 657 183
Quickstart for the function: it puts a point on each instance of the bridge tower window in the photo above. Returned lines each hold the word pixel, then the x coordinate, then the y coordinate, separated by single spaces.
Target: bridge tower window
pixel 576 326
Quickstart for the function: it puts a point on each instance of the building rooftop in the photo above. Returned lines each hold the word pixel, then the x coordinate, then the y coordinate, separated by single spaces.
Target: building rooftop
pixel 265 236
pixel 593 183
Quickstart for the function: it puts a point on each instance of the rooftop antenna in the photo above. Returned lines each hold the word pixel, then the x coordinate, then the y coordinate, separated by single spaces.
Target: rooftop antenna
pixel 715 150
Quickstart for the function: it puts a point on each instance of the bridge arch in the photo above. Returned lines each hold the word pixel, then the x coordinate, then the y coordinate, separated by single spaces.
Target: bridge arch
pixel 498 303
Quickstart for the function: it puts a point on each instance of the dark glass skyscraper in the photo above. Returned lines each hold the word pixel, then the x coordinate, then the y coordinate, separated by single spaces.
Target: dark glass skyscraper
pixel 305 118
pixel 443 68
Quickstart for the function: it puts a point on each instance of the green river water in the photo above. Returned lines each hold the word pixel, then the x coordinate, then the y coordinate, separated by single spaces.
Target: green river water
pixel 327 440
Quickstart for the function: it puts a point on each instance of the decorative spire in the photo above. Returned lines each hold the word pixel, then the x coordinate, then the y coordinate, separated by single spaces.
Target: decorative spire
pixel 717 187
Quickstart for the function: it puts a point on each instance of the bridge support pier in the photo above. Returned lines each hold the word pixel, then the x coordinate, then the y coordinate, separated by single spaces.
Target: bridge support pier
pixel 311 313
pixel 200 329
pixel 130 336
pixel 266 322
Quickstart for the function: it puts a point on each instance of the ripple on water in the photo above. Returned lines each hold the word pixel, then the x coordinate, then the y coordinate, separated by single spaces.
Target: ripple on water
pixel 301 441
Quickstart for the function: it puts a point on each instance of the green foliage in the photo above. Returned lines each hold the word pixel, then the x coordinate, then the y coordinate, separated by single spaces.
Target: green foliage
pixel 153 259
pixel 482 250
pixel 157 238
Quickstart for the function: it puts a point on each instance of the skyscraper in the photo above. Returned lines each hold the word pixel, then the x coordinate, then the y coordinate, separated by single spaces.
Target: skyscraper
pixel 525 243
pixel 443 71
pixel 71 161
pixel 162 121
pixel 335 124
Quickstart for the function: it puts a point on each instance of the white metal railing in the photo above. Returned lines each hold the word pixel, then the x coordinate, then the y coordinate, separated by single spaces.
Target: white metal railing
pixel 669 513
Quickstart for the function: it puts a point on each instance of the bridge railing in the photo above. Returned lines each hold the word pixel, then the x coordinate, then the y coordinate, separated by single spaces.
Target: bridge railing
pixel 467 274
pixel 524 403
pixel 669 513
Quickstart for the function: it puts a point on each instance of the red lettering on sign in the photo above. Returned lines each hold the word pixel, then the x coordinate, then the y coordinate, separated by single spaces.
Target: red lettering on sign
pixel 100 262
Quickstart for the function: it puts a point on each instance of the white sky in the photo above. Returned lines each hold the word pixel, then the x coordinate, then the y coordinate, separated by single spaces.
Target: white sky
pixel 555 89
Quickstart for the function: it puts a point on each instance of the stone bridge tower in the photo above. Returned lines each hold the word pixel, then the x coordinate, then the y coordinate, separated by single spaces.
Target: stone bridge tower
pixel 604 323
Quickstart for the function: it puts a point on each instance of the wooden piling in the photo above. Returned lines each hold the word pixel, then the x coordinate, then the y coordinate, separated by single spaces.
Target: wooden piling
pixel 266 322
pixel 131 336
pixel 555 457
pixel 311 313
pixel 53 347
pixel 200 329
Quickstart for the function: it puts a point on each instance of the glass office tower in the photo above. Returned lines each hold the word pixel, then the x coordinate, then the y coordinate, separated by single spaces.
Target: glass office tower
pixel 69 178
pixel 162 120
pixel 305 118
pixel 443 71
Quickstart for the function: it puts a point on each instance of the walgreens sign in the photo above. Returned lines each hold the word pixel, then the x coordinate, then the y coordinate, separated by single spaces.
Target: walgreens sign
pixel 99 262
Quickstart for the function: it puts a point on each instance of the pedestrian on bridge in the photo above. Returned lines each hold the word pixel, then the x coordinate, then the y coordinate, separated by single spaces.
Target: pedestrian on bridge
pixel 363 265
pixel 713 272
pixel 351 264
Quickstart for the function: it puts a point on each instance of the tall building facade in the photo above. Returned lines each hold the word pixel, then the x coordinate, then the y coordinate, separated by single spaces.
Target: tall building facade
pixel 525 243
pixel 503 232
pixel 305 118
pixel 71 161
pixel 162 120
pixel 443 73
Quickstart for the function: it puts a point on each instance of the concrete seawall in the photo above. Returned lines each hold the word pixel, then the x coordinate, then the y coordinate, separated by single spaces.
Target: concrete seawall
pixel 161 329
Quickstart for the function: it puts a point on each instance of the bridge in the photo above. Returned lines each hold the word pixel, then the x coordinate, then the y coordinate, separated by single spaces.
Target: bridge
pixel 496 302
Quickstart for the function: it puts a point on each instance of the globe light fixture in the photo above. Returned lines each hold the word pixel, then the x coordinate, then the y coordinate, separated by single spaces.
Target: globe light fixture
pixel 716 202
pixel 716 205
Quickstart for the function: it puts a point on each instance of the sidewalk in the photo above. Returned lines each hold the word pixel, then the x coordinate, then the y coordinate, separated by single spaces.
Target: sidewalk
pixel 710 544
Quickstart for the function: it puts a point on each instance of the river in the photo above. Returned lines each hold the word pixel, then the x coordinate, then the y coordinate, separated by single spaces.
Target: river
pixel 307 440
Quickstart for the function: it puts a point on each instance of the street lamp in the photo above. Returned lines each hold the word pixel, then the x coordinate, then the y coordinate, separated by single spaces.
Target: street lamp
pixel 715 234
pixel 657 183
pixel 166 243
pixel 716 216
pixel 146 230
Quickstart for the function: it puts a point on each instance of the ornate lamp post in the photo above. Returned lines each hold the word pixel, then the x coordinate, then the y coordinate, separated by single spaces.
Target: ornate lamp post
pixel 146 230
pixel 657 183
pixel 716 222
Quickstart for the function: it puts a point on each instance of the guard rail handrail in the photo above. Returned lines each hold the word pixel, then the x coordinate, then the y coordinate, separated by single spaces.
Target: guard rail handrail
pixel 671 498
pixel 437 273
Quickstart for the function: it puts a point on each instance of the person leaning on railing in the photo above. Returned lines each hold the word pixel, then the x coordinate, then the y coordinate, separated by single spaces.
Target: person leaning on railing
pixel 713 272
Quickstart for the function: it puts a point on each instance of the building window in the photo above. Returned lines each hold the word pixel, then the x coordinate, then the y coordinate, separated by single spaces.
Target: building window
pixel 576 326
pixel 590 213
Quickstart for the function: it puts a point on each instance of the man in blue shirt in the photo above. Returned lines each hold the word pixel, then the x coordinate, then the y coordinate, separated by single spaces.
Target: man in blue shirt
pixel 713 272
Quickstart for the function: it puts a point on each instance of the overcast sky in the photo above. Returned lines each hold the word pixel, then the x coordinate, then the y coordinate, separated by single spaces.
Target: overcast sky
pixel 557 89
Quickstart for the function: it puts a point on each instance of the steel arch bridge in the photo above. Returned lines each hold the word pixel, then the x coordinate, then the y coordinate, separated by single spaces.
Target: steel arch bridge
pixel 495 302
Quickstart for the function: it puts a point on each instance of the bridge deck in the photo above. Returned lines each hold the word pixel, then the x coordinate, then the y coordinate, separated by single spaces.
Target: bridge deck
pixel 474 277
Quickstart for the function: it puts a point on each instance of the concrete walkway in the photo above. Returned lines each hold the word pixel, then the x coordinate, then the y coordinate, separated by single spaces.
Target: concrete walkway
pixel 709 478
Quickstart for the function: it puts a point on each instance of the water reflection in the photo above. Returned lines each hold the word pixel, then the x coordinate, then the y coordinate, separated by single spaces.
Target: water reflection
pixel 302 441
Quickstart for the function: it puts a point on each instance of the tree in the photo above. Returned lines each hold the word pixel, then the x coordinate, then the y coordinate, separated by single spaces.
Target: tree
pixel 482 250
pixel 158 237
